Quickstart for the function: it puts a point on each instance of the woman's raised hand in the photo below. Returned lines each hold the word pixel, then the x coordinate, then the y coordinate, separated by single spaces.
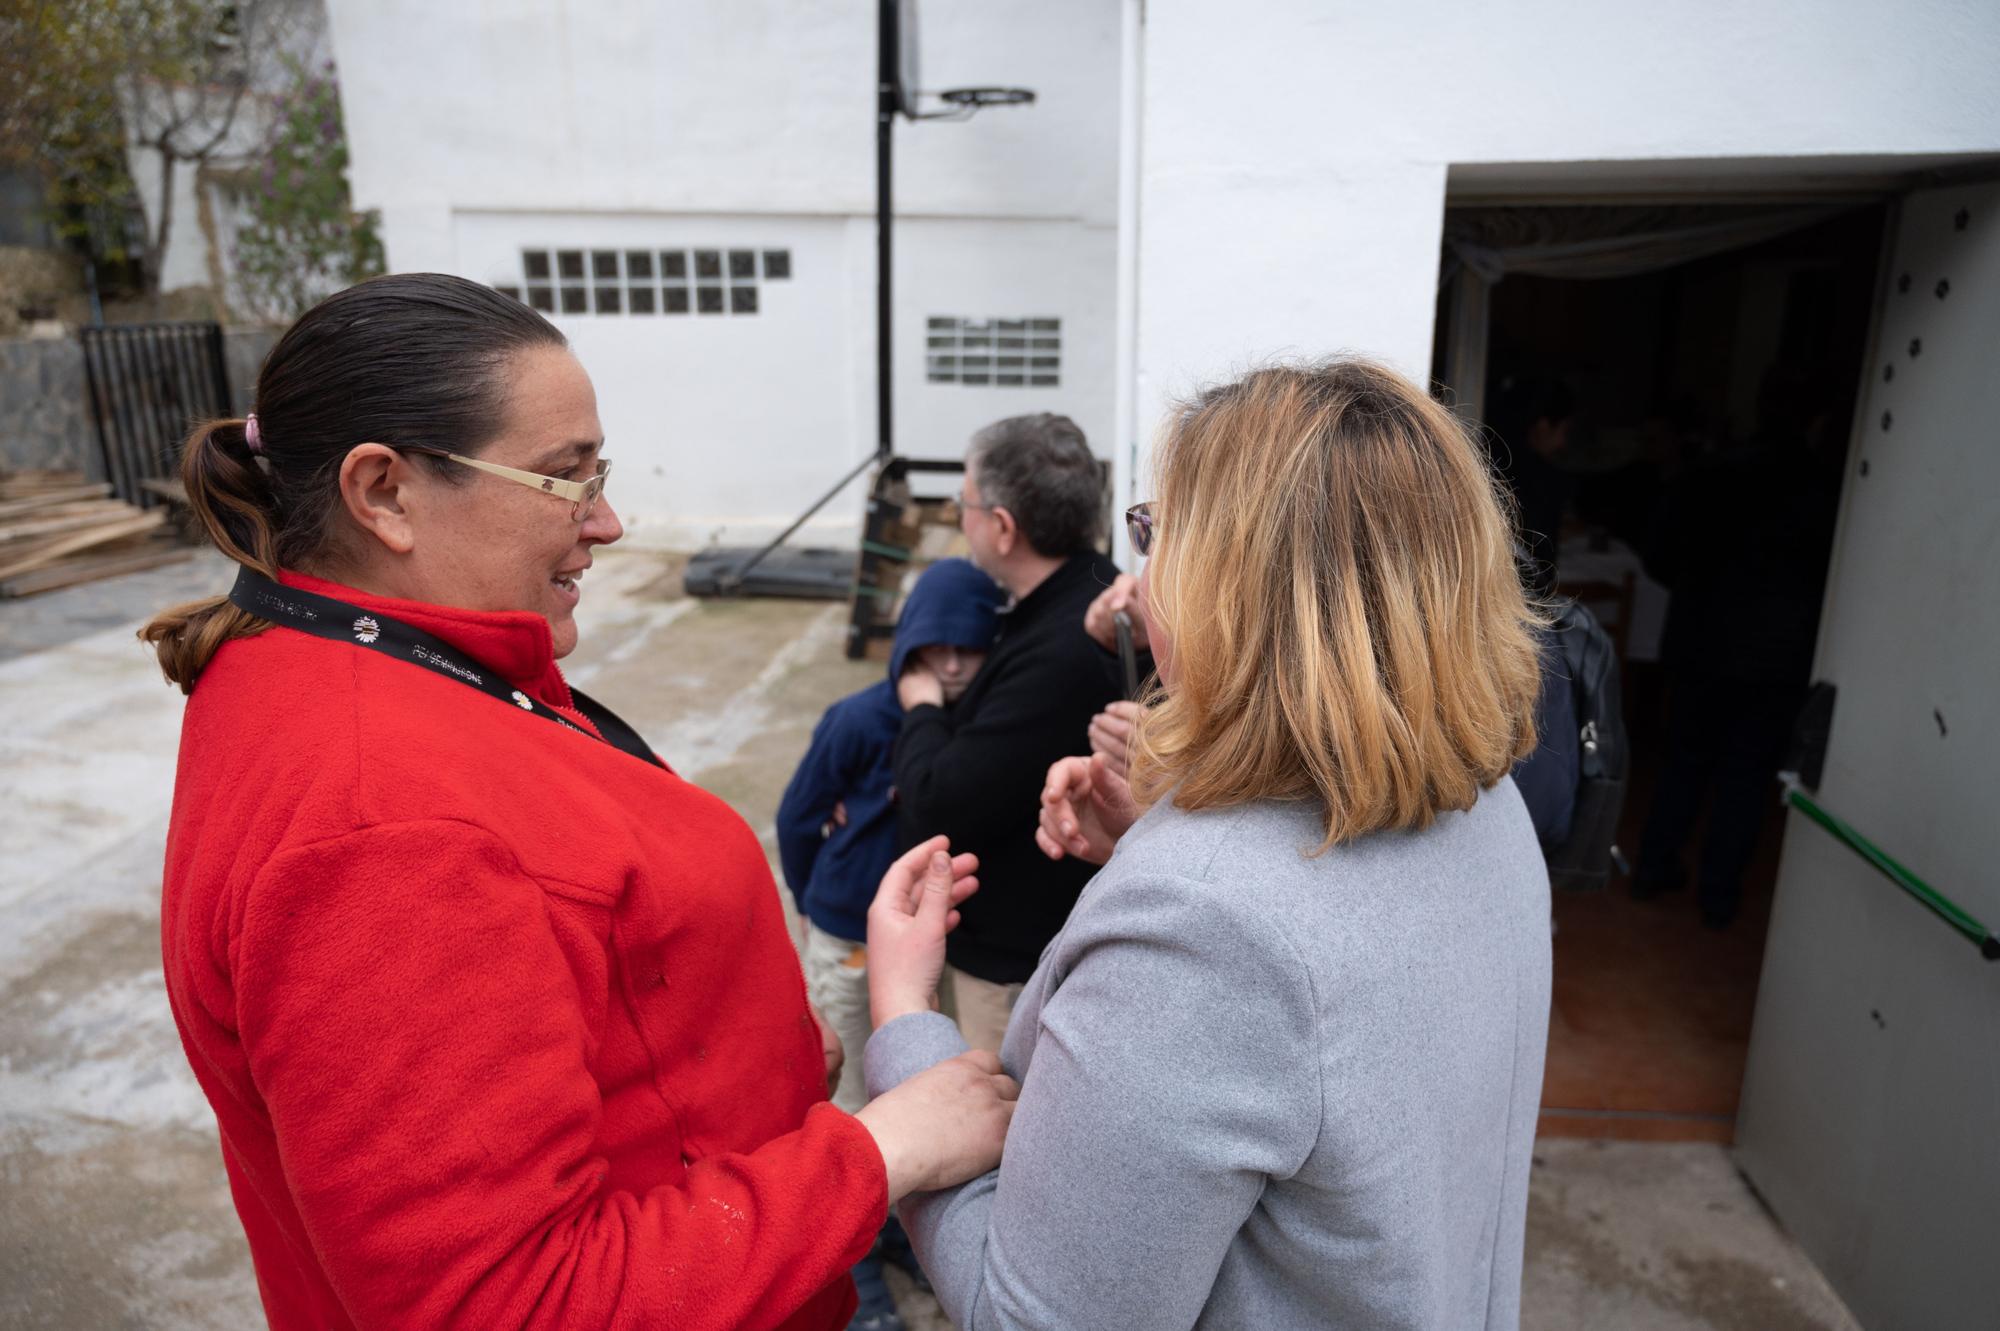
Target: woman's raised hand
pixel 1111 734
pixel 1100 621
pixel 916 906
pixel 945 1125
pixel 1086 807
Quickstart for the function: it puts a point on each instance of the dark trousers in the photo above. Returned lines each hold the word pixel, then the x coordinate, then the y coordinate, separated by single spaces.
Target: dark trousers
pixel 1725 737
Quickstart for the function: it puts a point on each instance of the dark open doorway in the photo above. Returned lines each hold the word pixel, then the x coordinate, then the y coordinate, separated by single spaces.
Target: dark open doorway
pixel 1671 392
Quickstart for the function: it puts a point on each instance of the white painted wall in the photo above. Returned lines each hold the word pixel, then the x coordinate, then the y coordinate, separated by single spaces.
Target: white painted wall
pixel 732 408
pixel 731 423
pixel 1295 153
pixel 631 122
pixel 1291 158
pixel 763 106
pixel 1004 270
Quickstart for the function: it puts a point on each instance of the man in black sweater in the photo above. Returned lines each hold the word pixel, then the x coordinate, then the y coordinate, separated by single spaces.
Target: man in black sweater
pixel 1030 509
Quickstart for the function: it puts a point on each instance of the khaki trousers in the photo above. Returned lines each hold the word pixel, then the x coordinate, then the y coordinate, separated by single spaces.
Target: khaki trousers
pixel 980 1007
pixel 837 982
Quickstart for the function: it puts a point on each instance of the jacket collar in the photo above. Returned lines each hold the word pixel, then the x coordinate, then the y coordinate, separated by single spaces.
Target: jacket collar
pixel 1051 591
pixel 515 643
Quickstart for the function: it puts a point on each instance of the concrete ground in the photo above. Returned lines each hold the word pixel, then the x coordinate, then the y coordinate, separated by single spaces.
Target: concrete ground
pixel 113 1207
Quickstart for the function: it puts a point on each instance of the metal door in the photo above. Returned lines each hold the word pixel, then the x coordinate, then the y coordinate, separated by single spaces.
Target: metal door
pixel 1871 1105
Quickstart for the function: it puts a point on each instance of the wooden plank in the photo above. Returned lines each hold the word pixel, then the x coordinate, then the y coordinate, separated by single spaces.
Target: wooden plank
pixel 62 509
pixel 39 475
pixel 68 545
pixel 66 518
pixel 170 490
pixel 26 484
pixel 66 495
pixel 90 568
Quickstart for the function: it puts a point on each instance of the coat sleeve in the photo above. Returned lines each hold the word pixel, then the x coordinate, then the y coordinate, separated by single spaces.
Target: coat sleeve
pixel 409 1003
pixel 822 780
pixel 1174 1069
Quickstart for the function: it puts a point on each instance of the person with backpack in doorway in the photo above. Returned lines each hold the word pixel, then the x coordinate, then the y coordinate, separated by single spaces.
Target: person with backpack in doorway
pixel 1574 782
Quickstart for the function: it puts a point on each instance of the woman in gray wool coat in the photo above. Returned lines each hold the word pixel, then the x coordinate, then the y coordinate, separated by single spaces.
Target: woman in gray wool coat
pixel 1281 1067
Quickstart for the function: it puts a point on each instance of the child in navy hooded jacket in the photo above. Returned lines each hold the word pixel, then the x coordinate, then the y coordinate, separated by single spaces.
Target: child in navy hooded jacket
pixel 836 825
pixel 837 836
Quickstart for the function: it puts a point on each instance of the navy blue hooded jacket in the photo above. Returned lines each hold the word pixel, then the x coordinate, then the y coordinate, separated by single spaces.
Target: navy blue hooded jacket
pixel 833 871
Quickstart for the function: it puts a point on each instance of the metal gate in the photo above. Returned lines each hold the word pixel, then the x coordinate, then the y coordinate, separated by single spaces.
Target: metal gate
pixel 149 384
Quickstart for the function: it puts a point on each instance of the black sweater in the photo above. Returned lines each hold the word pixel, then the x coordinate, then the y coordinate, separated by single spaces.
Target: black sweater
pixel 975 772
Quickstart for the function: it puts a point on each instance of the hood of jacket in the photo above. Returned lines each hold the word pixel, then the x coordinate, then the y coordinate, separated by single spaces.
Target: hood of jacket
pixel 954 604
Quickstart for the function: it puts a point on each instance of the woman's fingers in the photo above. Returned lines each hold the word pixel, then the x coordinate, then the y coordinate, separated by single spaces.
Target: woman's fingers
pixel 902 888
pixel 1113 732
pixel 936 900
pixel 1063 775
pixel 1067 837
pixel 1059 820
pixel 984 1059
pixel 1106 782
pixel 1121 719
pixel 1111 726
pixel 987 1062
pixel 917 858
pixel 903 884
pixel 1068 779
pixel 1071 787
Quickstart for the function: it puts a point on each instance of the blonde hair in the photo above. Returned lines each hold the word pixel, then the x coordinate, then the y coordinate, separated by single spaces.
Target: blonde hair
pixel 1335 582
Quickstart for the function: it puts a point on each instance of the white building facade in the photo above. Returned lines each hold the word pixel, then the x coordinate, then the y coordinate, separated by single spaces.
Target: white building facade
pixel 1202 186
pixel 588 156
pixel 1295 163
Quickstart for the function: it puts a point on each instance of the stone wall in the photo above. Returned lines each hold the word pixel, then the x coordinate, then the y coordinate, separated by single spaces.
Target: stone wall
pixel 45 419
pixel 44 415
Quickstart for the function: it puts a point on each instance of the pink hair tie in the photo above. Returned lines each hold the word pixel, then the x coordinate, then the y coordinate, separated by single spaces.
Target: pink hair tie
pixel 252 436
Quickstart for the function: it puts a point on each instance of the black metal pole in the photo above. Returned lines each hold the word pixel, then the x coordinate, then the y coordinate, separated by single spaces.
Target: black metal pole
pixel 885 121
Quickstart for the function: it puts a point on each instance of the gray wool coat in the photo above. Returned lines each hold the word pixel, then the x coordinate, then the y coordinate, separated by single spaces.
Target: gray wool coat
pixel 1263 1089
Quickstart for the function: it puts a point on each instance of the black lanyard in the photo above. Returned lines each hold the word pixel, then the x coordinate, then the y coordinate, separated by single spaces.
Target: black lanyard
pixel 337 621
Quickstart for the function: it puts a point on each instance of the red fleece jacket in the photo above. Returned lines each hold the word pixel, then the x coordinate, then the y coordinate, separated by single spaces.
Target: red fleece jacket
pixel 500 1024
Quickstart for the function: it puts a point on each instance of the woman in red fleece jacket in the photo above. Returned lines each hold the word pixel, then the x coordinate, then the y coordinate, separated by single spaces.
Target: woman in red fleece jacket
pixel 498 1016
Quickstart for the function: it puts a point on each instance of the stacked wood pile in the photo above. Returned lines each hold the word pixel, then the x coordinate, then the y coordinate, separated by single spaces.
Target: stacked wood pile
pixel 57 530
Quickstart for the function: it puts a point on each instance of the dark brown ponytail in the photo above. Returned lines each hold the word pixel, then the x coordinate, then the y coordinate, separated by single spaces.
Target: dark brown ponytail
pixel 231 496
pixel 412 358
